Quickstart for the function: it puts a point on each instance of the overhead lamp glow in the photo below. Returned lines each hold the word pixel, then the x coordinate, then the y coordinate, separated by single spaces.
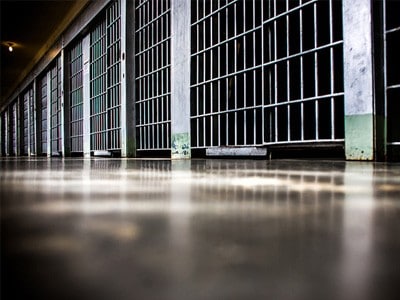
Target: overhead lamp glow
pixel 10 48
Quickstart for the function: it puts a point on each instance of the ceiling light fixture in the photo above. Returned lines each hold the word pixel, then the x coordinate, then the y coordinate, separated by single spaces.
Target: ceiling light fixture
pixel 10 45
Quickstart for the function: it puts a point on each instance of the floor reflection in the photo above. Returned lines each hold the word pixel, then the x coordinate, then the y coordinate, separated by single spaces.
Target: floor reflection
pixel 199 229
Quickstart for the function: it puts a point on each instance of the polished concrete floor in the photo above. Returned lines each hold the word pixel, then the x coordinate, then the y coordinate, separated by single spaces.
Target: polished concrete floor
pixel 200 229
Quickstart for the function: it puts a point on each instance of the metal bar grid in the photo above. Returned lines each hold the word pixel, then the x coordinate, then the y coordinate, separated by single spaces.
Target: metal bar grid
pixel 391 28
pixel 42 111
pixel 13 124
pixel 98 87
pixel 25 129
pixel 153 88
pixel 114 75
pixel 307 75
pixel 266 72
pixel 55 109
pixel 105 78
pixel 4 133
pixel 76 97
pixel 29 128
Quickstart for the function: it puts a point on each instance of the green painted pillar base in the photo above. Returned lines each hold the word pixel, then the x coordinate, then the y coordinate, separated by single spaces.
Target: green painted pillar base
pixel 180 146
pixel 359 142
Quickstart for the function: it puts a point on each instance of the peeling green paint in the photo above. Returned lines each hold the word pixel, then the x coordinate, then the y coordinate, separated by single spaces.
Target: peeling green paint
pixel 180 146
pixel 131 147
pixel 359 137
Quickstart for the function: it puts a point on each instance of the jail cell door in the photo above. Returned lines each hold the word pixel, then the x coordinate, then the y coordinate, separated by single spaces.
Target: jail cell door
pixel 13 125
pixel 303 72
pixel 105 81
pixel 55 108
pixel 266 73
pixel 4 133
pixel 42 115
pixel 153 87
pixel 29 127
pixel 391 74
pixel 226 79
pixel 76 98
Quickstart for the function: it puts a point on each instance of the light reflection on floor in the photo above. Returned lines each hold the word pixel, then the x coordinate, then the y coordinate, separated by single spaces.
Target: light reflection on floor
pixel 200 229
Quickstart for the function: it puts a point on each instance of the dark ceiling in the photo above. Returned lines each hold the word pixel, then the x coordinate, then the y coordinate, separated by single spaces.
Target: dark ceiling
pixel 27 24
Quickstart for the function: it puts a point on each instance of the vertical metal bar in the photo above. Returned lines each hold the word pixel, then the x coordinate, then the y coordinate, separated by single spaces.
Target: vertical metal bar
pixel 204 75
pixel 254 75
pixel 244 74
pixel 385 81
pixel 288 72
pixel 316 71
pixel 332 71
pixel 235 68
pixel 227 80
pixel 301 73
pixel 197 74
pixel 219 74
pixel 275 76
pixel 211 75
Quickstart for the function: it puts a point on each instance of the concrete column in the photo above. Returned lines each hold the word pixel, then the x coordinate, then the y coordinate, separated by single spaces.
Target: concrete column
pixel 128 140
pixel 358 80
pixel 180 79
pixel 86 95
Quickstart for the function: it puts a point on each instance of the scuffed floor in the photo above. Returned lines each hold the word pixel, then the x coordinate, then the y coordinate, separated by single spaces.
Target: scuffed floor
pixel 200 229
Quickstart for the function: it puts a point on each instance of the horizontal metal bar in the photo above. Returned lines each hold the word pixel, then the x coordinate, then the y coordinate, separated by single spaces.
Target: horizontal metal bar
pixel 153 149
pixel 154 123
pixel 214 12
pixel 141 4
pixel 153 46
pixel 392 30
pixel 153 72
pixel 299 142
pixel 391 87
pixel 153 98
pixel 152 21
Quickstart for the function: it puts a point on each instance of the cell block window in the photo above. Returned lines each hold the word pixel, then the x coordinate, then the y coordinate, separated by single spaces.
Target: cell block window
pixel 392 74
pixel 42 114
pixel 76 97
pixel 153 88
pixel 105 81
pixel 55 107
pixel 266 72
pixel 29 121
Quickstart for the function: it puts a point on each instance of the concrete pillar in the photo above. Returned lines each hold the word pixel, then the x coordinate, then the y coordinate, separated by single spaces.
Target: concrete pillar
pixel 359 80
pixel 86 95
pixel 180 79
pixel 128 140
